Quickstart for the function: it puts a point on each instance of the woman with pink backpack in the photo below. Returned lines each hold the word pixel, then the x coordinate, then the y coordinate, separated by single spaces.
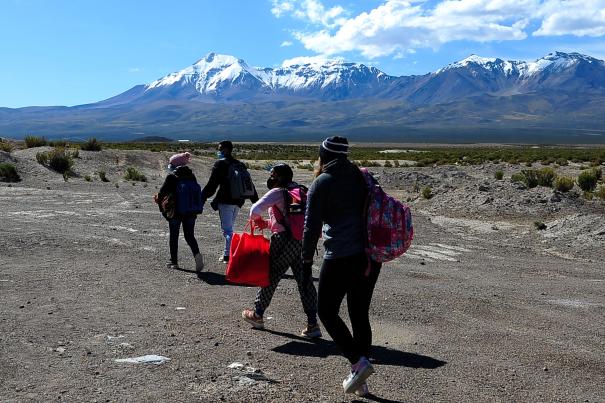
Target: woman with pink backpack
pixel 285 249
pixel 336 211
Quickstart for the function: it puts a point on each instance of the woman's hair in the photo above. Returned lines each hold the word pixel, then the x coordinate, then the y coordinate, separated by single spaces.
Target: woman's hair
pixel 318 169
pixel 284 173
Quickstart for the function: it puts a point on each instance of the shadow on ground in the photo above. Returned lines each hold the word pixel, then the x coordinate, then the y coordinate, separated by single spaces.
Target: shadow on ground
pixel 380 355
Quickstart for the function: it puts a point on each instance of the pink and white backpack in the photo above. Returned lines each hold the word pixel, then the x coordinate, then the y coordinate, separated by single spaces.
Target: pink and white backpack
pixel 388 223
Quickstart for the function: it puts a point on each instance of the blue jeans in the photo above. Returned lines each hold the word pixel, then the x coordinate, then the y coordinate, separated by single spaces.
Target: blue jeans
pixel 228 214
pixel 188 226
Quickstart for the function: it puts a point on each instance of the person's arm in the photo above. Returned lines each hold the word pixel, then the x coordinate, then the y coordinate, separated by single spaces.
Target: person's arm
pixel 313 219
pixel 213 182
pixel 167 186
pixel 271 198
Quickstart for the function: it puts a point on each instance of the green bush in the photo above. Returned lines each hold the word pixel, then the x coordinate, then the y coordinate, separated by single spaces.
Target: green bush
pixel 132 174
pixel 564 183
pixel 5 146
pixel 427 192
pixel 530 178
pixel 587 180
pixel 103 176
pixel 35 141
pixel 546 177
pixel 600 193
pixel 8 173
pixel 388 164
pixel 58 143
pixel 91 145
pixel 517 177
pixel 87 178
pixel 57 159
pixel 499 175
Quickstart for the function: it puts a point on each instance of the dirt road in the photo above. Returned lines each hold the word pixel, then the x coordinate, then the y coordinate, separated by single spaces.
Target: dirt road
pixel 476 311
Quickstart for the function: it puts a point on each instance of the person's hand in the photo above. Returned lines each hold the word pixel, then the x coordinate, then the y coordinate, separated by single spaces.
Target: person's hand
pixel 260 223
pixel 307 270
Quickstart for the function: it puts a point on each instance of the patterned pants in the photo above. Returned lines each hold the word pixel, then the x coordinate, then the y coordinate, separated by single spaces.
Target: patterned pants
pixel 285 252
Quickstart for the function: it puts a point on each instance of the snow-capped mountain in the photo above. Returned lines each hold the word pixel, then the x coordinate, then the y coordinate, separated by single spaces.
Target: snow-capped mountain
pixel 222 77
pixel 223 94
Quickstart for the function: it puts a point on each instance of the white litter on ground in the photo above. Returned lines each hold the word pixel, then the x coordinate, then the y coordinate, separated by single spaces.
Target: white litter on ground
pixel 180 308
pixel 145 359
pixel 236 365
pixel 120 336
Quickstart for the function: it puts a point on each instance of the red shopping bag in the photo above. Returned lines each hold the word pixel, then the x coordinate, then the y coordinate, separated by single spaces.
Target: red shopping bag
pixel 249 259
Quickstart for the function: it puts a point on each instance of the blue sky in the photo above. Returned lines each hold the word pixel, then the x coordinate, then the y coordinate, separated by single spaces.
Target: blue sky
pixel 70 52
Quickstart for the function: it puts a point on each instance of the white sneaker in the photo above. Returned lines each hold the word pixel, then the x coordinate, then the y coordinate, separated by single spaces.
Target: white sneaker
pixel 199 263
pixel 359 373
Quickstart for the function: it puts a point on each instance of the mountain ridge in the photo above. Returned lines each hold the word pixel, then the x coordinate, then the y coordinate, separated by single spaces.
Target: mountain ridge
pixel 223 94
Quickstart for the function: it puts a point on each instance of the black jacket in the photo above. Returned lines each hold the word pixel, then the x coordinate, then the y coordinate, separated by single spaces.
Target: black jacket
pixel 169 186
pixel 219 180
pixel 335 205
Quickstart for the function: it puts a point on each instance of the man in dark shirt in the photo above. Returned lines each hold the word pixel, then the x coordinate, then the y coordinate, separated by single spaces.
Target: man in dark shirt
pixel 223 202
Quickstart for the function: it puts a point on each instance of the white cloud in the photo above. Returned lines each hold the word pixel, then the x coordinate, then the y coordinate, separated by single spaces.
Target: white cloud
pixel 285 44
pixel 134 70
pixel 573 17
pixel 309 10
pixel 397 27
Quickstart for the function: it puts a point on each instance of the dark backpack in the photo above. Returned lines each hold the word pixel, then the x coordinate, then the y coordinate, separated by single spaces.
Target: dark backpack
pixel 295 197
pixel 240 181
pixel 188 197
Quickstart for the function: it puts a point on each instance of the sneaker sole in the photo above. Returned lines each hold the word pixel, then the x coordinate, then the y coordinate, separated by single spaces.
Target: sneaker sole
pixel 361 378
pixel 256 325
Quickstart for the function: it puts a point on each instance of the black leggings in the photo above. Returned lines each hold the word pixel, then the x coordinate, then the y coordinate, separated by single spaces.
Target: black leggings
pixel 346 276
pixel 188 227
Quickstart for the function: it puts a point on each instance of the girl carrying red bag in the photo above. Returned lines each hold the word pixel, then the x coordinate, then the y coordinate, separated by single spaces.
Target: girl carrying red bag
pixel 285 251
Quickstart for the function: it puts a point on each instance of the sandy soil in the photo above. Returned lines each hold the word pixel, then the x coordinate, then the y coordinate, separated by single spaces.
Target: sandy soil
pixel 482 308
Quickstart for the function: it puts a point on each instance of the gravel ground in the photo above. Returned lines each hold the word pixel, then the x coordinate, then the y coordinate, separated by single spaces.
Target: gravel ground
pixel 483 307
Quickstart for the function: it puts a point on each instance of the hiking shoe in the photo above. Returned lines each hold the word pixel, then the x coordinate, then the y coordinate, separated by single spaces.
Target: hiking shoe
pixel 311 331
pixel 224 259
pixel 199 263
pixel 363 390
pixel 252 318
pixel 359 373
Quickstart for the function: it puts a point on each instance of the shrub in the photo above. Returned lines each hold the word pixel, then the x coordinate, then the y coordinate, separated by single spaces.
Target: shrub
pixel 76 154
pixel 562 162
pixel 396 163
pixel 35 141
pixel 600 193
pixel 133 174
pixel 103 176
pixel 517 177
pixel 91 145
pixel 5 146
pixel 427 192
pixel 387 164
pixel 58 143
pixel 529 178
pixel 8 173
pixel 499 175
pixel 587 180
pixel 57 159
pixel 87 178
pixel 564 183
pixel 546 177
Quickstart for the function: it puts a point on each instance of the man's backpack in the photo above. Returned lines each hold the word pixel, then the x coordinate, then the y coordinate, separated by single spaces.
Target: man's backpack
pixel 295 198
pixel 388 223
pixel 188 197
pixel 240 181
